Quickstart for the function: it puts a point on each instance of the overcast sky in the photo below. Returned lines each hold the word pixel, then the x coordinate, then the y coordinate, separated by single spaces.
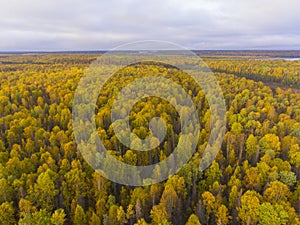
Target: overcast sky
pixel 104 24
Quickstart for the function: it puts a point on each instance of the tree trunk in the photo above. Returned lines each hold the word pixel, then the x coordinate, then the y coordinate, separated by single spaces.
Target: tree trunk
pixel 249 220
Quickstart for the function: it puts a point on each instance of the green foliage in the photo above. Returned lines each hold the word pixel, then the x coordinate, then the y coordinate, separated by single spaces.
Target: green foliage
pixel 44 190
pixel 272 215
pixel 36 218
pixel 288 178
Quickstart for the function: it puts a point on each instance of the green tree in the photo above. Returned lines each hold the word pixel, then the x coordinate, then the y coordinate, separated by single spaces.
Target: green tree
pixel 44 191
pixel 36 218
pixel 288 178
pixel 213 173
pixel 271 215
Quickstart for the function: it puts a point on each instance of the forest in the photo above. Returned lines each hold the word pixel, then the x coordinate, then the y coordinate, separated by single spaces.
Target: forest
pixel 254 179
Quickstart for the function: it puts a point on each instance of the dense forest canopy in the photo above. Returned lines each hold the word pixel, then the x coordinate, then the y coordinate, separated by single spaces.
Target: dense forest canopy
pixel 253 180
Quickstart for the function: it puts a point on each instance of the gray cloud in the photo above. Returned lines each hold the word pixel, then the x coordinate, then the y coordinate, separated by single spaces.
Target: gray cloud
pixel 197 24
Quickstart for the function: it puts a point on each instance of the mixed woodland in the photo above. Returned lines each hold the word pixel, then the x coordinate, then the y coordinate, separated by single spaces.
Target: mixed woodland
pixel 254 179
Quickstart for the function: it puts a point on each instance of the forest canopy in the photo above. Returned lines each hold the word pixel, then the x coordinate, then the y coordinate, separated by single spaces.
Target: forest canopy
pixel 253 180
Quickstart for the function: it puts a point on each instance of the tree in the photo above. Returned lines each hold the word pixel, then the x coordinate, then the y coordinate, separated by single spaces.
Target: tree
pixel 6 192
pixel 36 218
pixel 130 213
pixel 248 209
pixel 112 214
pixel 270 142
pixel 222 215
pixel 294 154
pixel 121 216
pixel 294 157
pixel 41 217
pixel 170 200
pixel 236 128
pixel 193 220
pixel 277 192
pixel 251 145
pixel 141 222
pixel 25 207
pixel 252 179
pixel 138 209
pixel 213 173
pixel 159 214
pixel 7 214
pixel 42 170
pixel 271 215
pixel 234 202
pixel 44 191
pixel 94 220
pixel 209 202
pixel 58 217
pixel 178 184
pixel 79 217
pixel 288 178
pixel 75 184
pixel 140 199
pixel 100 208
pixel 155 193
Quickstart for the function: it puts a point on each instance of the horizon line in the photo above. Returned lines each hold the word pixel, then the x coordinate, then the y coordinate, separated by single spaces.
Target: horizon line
pixel 134 50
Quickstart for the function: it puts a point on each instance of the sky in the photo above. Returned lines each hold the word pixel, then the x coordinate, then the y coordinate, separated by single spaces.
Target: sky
pixel 62 25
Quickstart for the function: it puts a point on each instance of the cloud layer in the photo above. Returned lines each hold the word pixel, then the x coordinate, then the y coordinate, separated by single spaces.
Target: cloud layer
pixel 104 24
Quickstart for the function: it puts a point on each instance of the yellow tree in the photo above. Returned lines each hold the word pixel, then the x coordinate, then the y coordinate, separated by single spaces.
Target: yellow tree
pixel 193 220
pixel 248 209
